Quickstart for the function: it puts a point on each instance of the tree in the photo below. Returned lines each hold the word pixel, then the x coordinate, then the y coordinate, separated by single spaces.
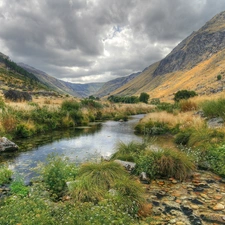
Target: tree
pixel 184 94
pixel 144 97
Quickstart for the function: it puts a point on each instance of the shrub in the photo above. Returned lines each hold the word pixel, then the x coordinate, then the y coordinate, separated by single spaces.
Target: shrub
pixel 5 174
pixel 215 156
pixel 214 108
pixel 144 97
pixel 147 162
pixel 77 117
pixel 55 173
pixel 184 94
pixel 219 77
pixel 69 105
pixel 17 187
pixel 24 130
pixel 90 103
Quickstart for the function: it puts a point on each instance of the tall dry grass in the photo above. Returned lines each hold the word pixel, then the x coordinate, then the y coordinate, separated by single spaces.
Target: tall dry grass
pixel 185 120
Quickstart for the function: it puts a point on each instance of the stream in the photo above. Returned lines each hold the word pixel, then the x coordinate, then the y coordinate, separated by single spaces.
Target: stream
pixel 78 144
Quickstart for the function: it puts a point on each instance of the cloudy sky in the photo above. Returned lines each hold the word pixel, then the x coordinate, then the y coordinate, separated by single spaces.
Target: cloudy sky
pixel 97 40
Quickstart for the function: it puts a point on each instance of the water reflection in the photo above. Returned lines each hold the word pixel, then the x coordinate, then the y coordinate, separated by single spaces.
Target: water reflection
pixel 78 144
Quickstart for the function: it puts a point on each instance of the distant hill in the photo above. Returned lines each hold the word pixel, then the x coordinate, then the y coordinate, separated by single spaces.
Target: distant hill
pixel 114 84
pixel 13 76
pixel 193 64
pixel 77 90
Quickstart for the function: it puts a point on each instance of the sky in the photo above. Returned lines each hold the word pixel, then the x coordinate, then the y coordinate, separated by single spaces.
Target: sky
pixel 85 41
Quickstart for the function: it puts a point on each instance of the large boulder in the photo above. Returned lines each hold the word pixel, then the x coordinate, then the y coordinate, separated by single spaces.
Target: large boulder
pixel 17 96
pixel 7 145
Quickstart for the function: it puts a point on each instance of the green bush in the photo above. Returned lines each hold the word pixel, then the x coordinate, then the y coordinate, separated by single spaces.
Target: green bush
pixel 55 173
pixel 215 156
pixel 69 105
pixel 219 77
pixel 23 131
pixel 144 97
pixel 184 94
pixel 5 174
pixel 77 117
pixel 17 187
pixel 214 108
pixel 90 103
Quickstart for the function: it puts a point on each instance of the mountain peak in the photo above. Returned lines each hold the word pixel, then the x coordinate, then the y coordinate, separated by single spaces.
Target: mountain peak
pixel 197 47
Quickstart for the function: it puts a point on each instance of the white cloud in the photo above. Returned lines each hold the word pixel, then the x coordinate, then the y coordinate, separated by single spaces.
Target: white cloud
pixel 97 40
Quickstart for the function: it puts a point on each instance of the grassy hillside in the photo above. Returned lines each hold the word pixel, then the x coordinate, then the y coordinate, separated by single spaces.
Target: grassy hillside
pixel 10 79
pixel 202 78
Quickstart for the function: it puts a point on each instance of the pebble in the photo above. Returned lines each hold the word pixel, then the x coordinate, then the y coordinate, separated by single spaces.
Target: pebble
pixel 180 223
pixel 218 207
pixel 199 200
pixel 218 197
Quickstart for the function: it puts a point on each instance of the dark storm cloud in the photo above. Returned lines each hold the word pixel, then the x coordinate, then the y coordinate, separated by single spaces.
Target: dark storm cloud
pixel 94 40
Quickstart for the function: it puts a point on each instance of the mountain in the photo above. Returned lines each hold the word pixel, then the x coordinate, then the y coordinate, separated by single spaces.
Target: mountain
pixel 85 90
pixel 193 64
pixel 78 90
pixel 114 84
pixel 13 76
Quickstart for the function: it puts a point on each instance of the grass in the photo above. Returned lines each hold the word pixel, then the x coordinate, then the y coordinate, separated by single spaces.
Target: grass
pixel 95 179
pixel 5 174
pixel 25 119
pixel 165 163
pixel 214 108
pixel 128 152
pixel 164 122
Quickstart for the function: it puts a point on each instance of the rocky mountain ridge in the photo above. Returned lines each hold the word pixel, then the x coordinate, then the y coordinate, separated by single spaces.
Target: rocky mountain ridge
pixel 194 64
pixel 196 48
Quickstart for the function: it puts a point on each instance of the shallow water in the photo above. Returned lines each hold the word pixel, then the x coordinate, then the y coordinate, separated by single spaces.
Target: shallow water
pixel 80 144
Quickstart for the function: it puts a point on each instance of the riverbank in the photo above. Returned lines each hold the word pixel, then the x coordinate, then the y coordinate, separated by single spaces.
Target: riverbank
pixel 26 119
